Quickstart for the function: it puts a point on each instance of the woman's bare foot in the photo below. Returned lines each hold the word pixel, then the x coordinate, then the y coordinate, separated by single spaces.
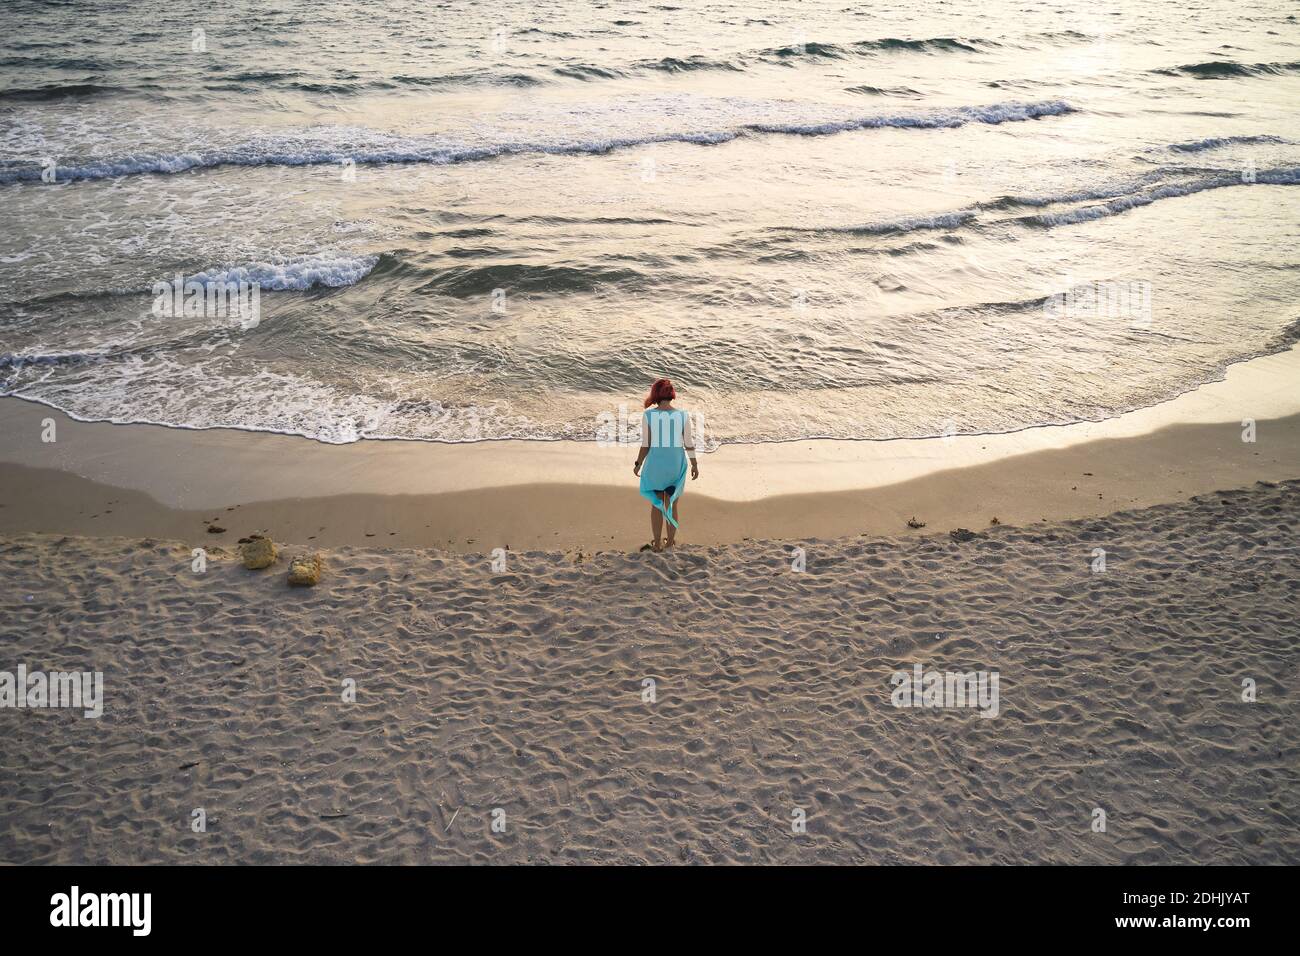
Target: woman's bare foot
pixel 670 543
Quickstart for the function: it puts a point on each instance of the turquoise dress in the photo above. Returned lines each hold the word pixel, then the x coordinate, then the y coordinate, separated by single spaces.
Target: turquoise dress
pixel 664 468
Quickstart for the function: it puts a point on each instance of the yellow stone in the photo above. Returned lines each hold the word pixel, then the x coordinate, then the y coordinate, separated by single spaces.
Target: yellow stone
pixel 258 552
pixel 304 571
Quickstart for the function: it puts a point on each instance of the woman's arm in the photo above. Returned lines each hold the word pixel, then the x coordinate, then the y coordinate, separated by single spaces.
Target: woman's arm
pixel 688 439
pixel 645 443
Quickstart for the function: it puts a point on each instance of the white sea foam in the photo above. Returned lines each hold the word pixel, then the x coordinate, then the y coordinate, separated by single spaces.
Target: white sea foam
pixel 378 148
pixel 933 119
pixel 296 275
pixel 220 393
pixel 948 220
pixel 1271 177
pixel 1120 197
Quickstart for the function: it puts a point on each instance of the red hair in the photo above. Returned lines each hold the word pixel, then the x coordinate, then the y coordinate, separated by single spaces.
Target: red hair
pixel 661 391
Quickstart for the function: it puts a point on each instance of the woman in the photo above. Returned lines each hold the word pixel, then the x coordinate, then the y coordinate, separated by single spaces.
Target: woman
pixel 666 440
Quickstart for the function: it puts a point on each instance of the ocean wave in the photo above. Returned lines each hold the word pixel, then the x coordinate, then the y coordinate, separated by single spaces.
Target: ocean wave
pixel 579 71
pixel 1218 142
pixel 385 149
pixel 523 278
pixel 59 91
pixel 882 91
pixel 296 275
pixel 1122 204
pixel 251 80
pixel 18 362
pixel 947 220
pixel 299 81
pixel 993 114
pixel 674 64
pixel 1227 69
pixel 812 50
pixel 934 44
pixel 1119 197
pixel 1108 190
pixel 537 31
pixel 914 223
pixel 73 64
pixel 836 51
pixel 1074 35
pixel 299 275
pixel 471 78
pixel 219 394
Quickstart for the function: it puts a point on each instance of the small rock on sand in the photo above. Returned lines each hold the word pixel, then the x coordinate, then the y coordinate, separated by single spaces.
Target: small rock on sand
pixel 257 552
pixel 304 571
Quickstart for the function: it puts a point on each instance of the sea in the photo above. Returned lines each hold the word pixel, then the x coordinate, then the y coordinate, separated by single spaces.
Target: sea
pixel 469 221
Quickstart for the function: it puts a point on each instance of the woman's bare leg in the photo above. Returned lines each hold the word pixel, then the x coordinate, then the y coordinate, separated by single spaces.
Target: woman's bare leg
pixel 672 530
pixel 656 524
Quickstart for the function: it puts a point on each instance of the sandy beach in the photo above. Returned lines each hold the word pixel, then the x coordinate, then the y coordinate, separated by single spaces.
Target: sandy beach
pixel 520 692
pixel 515 690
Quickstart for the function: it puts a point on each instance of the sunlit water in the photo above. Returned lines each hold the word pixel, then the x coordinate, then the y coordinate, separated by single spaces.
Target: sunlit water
pixel 504 219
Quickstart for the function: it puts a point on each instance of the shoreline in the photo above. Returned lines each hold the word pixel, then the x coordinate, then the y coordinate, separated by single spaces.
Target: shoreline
pixel 146 480
pixel 1085 480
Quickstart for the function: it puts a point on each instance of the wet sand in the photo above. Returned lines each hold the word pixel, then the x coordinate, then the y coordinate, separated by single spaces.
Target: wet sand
pixel 1089 479
pixel 99 478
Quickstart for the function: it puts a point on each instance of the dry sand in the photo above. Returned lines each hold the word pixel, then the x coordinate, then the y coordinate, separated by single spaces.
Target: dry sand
pixel 522 690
